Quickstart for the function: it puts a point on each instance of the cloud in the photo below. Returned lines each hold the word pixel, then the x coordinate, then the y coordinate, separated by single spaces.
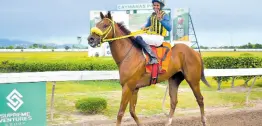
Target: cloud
pixel 66 19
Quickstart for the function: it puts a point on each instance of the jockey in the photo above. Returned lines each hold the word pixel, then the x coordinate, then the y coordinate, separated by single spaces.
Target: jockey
pixel 159 24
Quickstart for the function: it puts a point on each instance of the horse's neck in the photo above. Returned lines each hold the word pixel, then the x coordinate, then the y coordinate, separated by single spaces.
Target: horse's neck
pixel 120 48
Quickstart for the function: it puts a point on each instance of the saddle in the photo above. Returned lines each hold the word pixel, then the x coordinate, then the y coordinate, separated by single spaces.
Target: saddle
pixel 163 53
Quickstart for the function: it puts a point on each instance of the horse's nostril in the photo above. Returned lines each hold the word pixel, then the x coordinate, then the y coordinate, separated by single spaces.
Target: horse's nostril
pixel 91 39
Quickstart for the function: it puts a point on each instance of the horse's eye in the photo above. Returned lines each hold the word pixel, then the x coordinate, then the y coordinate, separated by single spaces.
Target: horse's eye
pixel 105 25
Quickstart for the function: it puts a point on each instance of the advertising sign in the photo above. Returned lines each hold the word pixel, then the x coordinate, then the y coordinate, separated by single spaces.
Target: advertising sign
pixel 134 6
pixel 118 16
pixel 181 24
pixel 23 104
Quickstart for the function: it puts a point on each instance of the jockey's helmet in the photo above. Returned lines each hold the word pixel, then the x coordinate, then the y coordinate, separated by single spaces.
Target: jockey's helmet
pixel 159 1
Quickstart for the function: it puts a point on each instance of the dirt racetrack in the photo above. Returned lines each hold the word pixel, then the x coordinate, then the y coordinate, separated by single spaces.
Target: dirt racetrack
pixel 240 118
pixel 251 116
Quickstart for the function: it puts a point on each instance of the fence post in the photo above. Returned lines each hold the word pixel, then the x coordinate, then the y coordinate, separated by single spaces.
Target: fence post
pixel 233 82
pixel 52 101
pixel 248 93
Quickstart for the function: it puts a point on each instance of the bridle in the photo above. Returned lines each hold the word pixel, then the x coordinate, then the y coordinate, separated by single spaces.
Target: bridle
pixel 104 34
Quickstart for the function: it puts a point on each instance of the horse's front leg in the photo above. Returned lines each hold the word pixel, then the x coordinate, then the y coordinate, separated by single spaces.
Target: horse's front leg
pixel 132 107
pixel 126 96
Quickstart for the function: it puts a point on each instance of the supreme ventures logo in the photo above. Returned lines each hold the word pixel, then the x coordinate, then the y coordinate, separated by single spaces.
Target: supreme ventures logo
pixel 14 100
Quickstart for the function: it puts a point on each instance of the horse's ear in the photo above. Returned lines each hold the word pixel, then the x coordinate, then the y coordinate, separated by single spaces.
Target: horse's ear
pixel 101 15
pixel 109 15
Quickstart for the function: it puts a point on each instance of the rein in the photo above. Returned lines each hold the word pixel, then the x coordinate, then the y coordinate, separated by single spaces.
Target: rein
pixel 112 26
pixel 104 34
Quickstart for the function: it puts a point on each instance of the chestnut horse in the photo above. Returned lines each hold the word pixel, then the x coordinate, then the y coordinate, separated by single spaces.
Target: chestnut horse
pixel 185 63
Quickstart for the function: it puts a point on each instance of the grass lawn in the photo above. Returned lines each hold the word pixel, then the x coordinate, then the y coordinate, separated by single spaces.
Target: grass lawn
pixel 149 98
pixel 42 55
pixel 207 54
pixel 84 55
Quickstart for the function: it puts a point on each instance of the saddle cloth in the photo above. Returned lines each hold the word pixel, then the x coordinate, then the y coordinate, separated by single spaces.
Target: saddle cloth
pixel 163 53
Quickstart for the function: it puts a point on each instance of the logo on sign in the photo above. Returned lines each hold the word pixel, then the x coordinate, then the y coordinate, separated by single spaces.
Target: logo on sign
pixel 180 27
pixel 14 100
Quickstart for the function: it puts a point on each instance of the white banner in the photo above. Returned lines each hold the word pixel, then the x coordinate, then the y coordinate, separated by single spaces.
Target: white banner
pixel 134 6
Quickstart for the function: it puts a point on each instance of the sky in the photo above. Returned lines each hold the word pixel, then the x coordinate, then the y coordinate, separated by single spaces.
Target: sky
pixel 216 23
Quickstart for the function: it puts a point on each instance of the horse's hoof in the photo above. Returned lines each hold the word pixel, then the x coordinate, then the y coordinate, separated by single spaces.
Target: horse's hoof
pixel 169 122
pixel 206 124
pixel 204 121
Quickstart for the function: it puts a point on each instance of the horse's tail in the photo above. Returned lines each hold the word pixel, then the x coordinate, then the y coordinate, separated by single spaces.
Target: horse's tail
pixel 203 78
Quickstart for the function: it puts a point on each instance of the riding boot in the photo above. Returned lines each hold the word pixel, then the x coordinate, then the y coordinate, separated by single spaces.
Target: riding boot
pixel 153 57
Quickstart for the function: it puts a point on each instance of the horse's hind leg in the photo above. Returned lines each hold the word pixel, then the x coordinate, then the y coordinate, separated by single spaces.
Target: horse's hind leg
pixel 132 106
pixel 200 99
pixel 174 82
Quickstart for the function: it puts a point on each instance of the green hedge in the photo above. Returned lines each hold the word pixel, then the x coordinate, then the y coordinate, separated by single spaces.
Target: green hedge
pixel 92 105
pixel 109 64
pixel 232 62
pixel 56 65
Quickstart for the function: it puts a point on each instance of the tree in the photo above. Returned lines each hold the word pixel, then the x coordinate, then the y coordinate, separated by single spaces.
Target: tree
pixel 10 47
pixel 249 45
pixel 19 47
pixel 258 46
pixel 35 45
pixel 203 47
pixel 67 47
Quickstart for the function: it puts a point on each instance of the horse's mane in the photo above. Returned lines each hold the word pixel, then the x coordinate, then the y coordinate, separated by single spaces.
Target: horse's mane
pixel 127 32
pixel 123 27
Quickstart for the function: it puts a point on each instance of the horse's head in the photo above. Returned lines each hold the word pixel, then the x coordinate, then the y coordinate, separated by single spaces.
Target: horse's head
pixel 104 29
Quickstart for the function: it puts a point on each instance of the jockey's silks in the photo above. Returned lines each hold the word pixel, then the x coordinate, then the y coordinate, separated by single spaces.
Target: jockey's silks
pixel 156 25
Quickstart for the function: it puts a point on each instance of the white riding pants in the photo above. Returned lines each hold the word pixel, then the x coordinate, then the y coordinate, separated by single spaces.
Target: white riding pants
pixel 155 40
